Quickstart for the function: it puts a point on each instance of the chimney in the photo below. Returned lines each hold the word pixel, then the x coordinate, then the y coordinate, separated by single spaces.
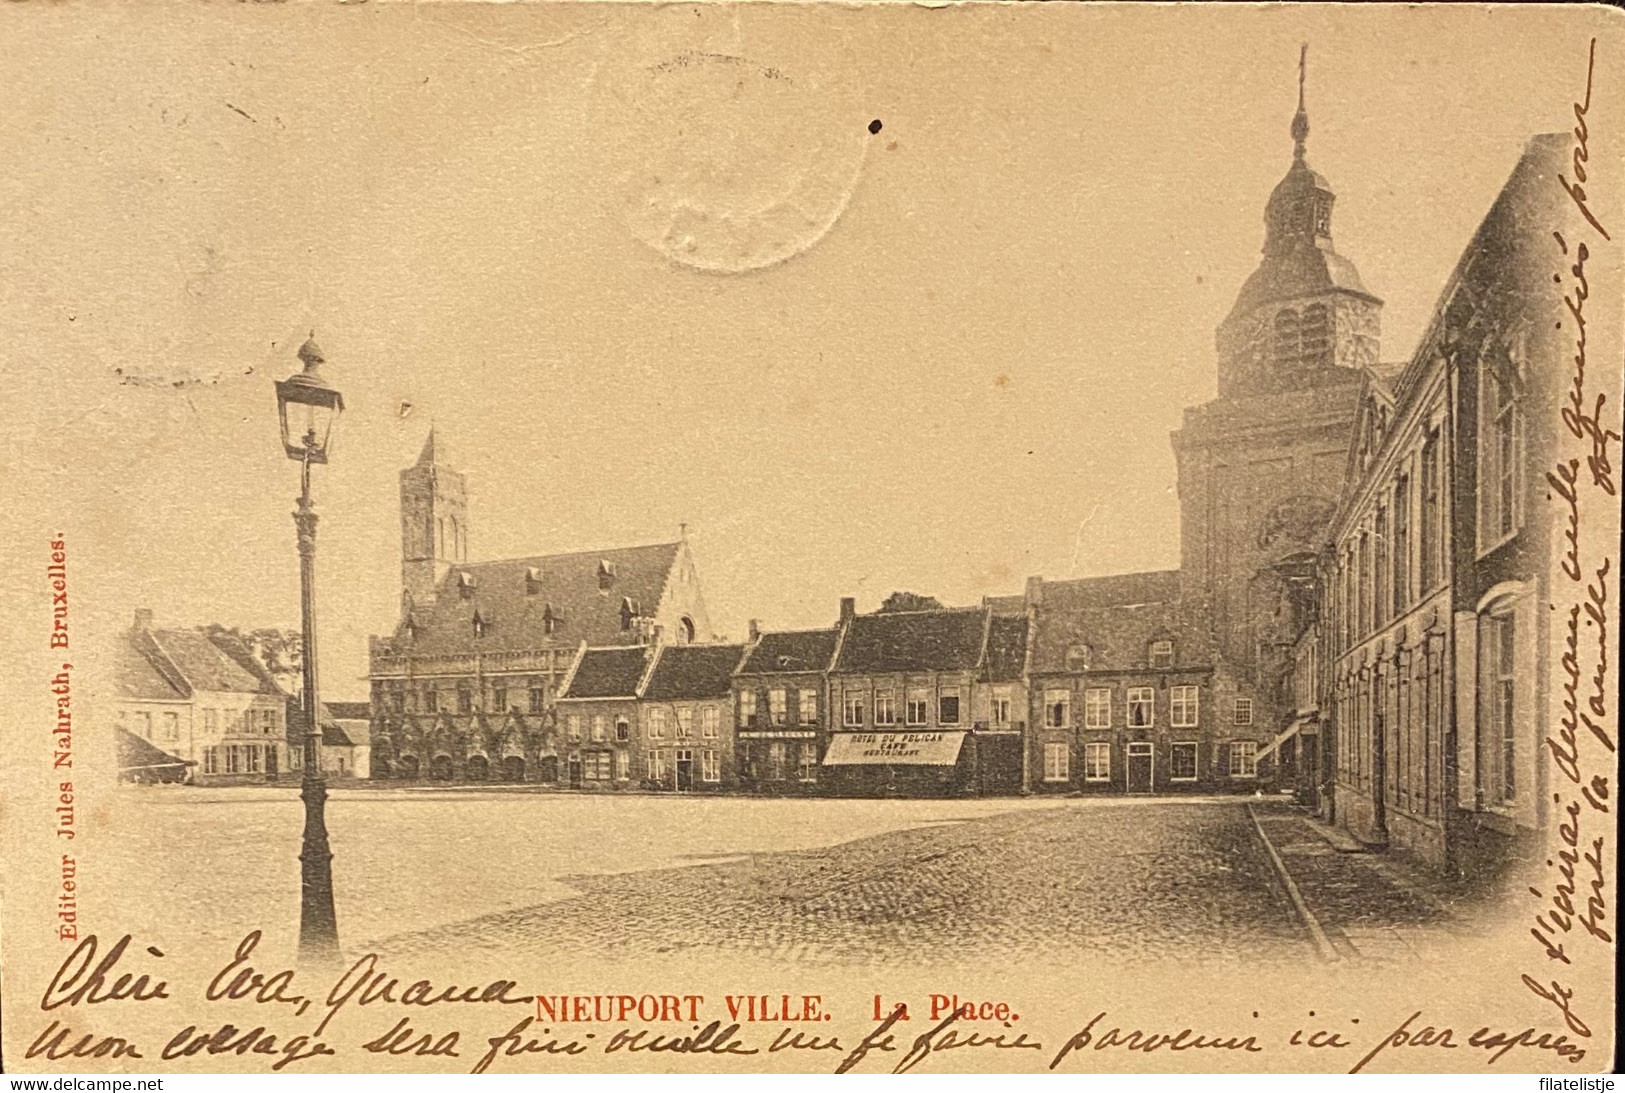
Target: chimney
pixel 143 618
pixel 849 607
pixel 755 629
pixel 1035 591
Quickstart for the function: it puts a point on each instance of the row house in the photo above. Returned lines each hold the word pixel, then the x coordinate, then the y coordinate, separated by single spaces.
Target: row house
pixel 684 710
pixel 597 744
pixel 465 687
pixel 199 696
pixel 1122 693
pixel 922 703
pixel 781 710
pixel 648 718
pixel 1434 643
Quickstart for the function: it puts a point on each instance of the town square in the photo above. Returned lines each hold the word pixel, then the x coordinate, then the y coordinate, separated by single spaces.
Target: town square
pixel 1095 513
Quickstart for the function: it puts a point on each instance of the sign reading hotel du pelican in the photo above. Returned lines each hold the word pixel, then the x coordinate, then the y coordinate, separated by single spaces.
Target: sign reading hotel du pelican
pixel 880 748
pixel 813 524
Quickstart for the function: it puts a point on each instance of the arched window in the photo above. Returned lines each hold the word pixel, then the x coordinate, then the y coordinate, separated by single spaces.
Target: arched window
pixel 1315 336
pixel 1303 339
pixel 1287 323
pixel 686 635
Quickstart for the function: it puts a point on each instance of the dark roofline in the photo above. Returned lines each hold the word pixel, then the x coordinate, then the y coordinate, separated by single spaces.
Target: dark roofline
pixel 529 558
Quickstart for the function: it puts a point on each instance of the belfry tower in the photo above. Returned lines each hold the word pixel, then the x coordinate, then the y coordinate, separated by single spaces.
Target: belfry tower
pixel 1304 312
pixel 434 524
pixel 1261 466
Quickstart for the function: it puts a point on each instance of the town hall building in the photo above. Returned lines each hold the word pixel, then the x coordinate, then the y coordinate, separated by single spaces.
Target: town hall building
pixel 464 689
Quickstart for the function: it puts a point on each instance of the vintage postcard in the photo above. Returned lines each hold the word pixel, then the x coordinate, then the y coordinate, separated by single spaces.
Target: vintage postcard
pixel 800 537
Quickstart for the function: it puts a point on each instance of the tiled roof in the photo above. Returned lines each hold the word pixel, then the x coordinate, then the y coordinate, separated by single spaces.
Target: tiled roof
pixel 791 651
pixel 346 735
pixel 354 730
pixel 515 599
pixel 1006 648
pixel 136 756
pixel 693 671
pixel 907 641
pixel 1156 586
pixel 205 664
pixel 1116 618
pixel 609 673
pixel 143 672
pixel 1006 605
pixel 176 663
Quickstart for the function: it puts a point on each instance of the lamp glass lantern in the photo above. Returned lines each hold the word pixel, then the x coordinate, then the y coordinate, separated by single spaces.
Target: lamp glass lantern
pixel 308 406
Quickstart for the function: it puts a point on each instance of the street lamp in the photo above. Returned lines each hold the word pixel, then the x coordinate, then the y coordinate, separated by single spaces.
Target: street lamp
pixel 307 406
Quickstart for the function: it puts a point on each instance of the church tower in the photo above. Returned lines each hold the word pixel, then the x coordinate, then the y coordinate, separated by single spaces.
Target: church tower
pixel 1261 467
pixel 434 524
pixel 1303 315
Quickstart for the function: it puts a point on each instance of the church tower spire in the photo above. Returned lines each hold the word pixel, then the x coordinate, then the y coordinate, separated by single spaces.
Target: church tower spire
pixel 434 523
pixel 1304 312
pixel 1300 120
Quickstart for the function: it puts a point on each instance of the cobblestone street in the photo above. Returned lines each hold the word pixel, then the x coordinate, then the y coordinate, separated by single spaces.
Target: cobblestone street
pixel 1124 879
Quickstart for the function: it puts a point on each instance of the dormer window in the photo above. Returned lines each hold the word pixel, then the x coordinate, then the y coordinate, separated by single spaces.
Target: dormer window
pixel 465 586
pixel 1162 654
pixel 1077 657
pixel 606 575
pixel 550 621
pixel 533 581
pixel 628 613
pixel 480 625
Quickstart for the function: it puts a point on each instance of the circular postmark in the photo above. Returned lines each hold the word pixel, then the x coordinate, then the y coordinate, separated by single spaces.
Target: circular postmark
pixel 736 164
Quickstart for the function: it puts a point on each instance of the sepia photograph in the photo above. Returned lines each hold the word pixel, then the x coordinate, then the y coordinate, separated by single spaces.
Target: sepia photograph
pixel 789 537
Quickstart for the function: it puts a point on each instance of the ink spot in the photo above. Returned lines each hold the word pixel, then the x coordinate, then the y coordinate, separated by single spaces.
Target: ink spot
pixel 874 126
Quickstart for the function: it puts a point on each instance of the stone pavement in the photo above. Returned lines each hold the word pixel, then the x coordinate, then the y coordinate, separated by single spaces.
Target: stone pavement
pixel 1367 904
pixel 1126 880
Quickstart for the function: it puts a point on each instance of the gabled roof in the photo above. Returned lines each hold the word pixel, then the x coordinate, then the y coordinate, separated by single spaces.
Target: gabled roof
pixel 208 662
pixel 139 760
pixel 355 730
pixel 790 651
pixel 1006 654
pixel 908 641
pixel 547 600
pixel 142 671
pixel 174 664
pixel 608 673
pixel 693 671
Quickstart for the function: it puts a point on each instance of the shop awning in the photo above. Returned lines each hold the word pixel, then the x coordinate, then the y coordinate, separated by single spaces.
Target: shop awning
pixel 919 749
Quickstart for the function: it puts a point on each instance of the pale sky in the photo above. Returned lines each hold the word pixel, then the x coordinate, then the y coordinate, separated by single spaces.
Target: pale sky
pixel 997 308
